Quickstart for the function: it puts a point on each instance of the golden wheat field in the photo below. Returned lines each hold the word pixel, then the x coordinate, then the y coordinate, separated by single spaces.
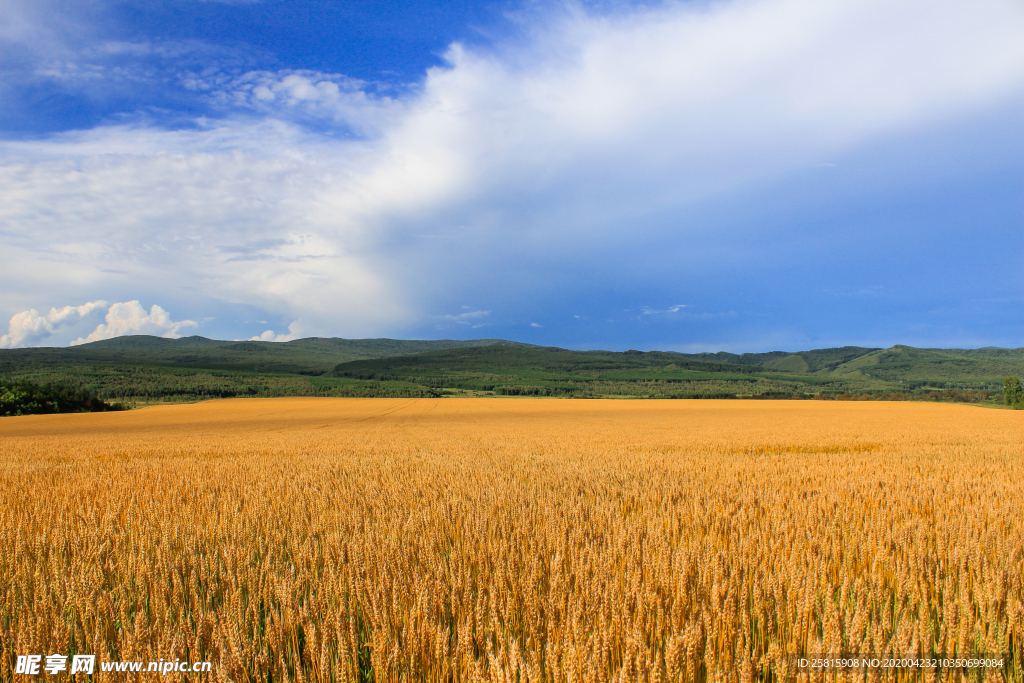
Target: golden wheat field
pixel 514 540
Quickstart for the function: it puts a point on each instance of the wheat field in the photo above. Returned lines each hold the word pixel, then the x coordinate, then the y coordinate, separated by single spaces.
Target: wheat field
pixel 514 540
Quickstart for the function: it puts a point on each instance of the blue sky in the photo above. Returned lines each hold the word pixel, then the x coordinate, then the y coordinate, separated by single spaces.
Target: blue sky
pixel 741 175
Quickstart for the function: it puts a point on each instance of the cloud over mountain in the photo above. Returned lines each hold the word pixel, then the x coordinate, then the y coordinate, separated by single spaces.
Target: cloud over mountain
pixel 27 328
pixel 30 328
pixel 573 147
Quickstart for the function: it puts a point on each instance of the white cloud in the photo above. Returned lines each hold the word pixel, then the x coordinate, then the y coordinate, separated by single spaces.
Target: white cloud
pixel 29 327
pixel 541 148
pixel 129 317
pixel 294 331
pixel 646 310
pixel 680 101
pixel 318 95
pixel 472 318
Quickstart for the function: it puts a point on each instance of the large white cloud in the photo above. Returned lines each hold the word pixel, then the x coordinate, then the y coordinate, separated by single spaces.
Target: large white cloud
pixel 130 317
pixel 581 126
pixel 30 327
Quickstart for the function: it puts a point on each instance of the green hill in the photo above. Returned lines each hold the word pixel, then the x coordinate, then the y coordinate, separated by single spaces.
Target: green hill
pixel 144 368
pixel 802 361
pixel 310 356
pixel 914 368
pixel 549 371
pixel 518 360
pixel 556 372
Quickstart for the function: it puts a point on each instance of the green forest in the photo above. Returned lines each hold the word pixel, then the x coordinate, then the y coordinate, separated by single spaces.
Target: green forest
pixel 28 398
pixel 139 370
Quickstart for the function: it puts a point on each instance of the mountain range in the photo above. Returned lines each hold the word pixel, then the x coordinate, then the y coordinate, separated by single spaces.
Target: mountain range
pixel 145 368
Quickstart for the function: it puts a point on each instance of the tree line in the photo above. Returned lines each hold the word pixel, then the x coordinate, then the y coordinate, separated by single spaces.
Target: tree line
pixel 27 398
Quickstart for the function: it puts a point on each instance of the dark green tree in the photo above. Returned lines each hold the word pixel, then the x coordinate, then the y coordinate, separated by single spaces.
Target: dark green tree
pixel 27 398
pixel 14 401
pixel 1013 392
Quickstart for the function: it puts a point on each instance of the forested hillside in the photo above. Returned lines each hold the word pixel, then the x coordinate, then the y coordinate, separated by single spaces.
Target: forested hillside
pixel 143 369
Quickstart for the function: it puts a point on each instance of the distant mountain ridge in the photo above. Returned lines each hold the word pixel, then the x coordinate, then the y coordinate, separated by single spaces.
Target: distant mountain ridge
pixel 146 368
pixel 808 360
pixel 847 368
pixel 311 355
pixel 376 345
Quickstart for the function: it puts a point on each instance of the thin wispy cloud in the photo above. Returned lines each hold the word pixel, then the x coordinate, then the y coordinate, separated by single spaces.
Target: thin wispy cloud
pixel 473 319
pixel 646 310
